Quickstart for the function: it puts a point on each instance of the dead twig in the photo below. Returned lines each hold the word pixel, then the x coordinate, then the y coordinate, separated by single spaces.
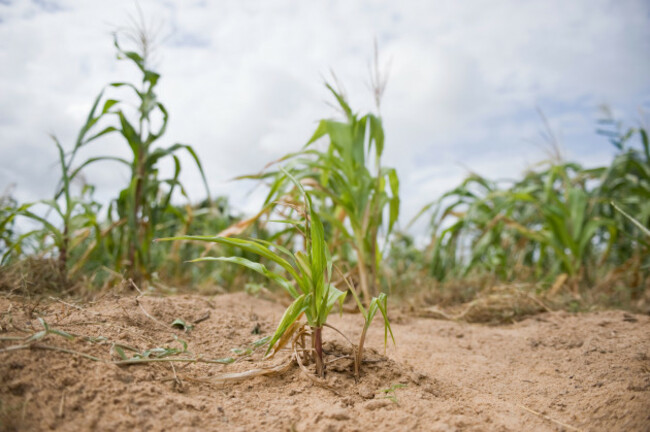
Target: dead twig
pixel 201 319
pixel 128 330
pixel 144 311
pixel 152 318
pixel 135 361
pixel 178 381
pixel 339 358
pixel 242 376
pixel 66 303
pixel 61 405
pixel 13 338
pixel 354 347
pixel 52 348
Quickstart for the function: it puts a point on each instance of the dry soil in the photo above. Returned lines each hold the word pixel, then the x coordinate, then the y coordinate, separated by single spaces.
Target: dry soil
pixel 551 372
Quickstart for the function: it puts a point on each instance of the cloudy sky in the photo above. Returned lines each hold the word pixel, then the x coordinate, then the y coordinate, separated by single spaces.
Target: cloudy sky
pixel 243 82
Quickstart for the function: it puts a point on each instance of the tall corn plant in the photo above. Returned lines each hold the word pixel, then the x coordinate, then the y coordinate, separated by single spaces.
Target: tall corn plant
pixel 140 206
pixel 311 271
pixel 350 195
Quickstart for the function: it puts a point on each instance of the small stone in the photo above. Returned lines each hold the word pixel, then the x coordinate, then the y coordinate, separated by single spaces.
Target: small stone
pixel 416 376
pixel 431 390
pixel 125 378
pixel 629 318
pixel 366 393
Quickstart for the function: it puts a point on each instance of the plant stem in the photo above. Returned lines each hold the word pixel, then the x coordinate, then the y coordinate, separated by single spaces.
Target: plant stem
pixel 317 343
pixel 359 356
pixel 363 276
pixel 63 252
pixel 138 207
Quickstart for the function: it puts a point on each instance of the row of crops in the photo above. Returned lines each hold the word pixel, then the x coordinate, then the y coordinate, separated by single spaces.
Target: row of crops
pixel 561 228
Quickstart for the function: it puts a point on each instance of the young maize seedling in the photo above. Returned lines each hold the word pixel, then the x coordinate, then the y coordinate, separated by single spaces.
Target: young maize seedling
pixel 391 394
pixel 311 272
pixel 377 303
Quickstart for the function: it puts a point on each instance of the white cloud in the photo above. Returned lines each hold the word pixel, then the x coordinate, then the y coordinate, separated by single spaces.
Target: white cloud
pixel 242 82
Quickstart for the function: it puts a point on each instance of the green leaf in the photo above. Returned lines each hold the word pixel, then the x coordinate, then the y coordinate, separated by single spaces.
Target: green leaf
pixel 318 257
pixel 242 351
pixel 247 245
pixel 321 131
pixel 288 221
pixel 259 268
pixel 260 342
pixel 382 304
pixel 108 104
pixel 639 225
pixel 182 325
pixel 341 100
pixel 273 245
pixel 377 134
pixel 37 336
pixel 300 188
pixel 372 310
pixel 131 135
pixel 120 352
pixel 291 314
pixel 61 333
pixel 334 295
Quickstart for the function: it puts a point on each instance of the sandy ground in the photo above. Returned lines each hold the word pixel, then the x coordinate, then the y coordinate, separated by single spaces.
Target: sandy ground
pixel 551 372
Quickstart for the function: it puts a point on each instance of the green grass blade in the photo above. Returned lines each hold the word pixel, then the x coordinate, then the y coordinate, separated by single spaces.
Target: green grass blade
pixel 292 313
pixel 318 259
pixel 638 224
pixel 382 303
pixel 247 245
pixel 259 268
pixel 334 295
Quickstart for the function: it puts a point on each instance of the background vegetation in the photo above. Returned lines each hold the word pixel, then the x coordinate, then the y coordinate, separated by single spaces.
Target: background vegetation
pixel 554 234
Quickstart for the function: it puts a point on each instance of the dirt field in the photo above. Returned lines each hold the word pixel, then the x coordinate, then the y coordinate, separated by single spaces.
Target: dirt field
pixel 551 372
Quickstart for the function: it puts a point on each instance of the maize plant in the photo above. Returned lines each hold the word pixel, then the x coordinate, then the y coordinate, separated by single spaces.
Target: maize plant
pixel 310 275
pixel 134 215
pixel 544 223
pixel 77 220
pixel 356 200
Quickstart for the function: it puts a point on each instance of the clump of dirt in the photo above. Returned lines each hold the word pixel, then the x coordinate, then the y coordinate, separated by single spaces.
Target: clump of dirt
pixel 377 370
pixel 554 371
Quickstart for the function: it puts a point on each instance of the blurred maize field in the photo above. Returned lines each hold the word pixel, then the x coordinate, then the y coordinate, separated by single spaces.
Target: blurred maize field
pixel 569 235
